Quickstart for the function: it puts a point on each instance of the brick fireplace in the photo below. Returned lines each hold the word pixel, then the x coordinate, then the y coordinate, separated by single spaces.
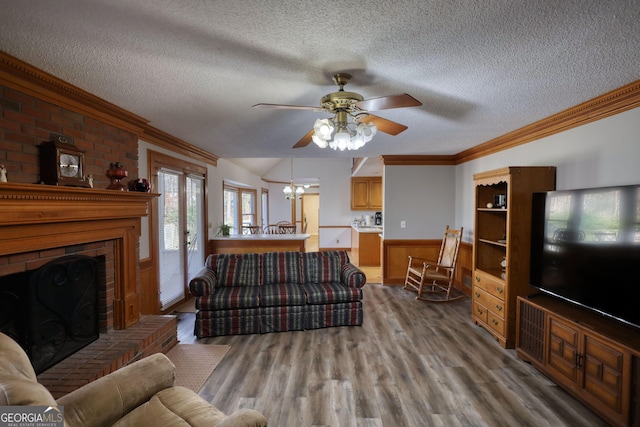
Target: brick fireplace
pixel 39 223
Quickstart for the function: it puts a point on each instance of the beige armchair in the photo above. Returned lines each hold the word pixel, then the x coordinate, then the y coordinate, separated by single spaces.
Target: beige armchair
pixel 140 394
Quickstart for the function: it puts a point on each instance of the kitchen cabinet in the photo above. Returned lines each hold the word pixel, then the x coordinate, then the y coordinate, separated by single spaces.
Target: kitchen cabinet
pixel 594 358
pixel 365 246
pixel 501 245
pixel 366 193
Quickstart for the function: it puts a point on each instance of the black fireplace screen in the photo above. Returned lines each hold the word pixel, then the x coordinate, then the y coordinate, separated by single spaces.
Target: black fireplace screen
pixel 52 311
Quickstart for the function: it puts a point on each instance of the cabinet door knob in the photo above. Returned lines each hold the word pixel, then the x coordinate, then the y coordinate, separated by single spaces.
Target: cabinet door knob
pixel 477 294
pixel 499 290
pixel 477 279
pixel 494 321
pixel 498 307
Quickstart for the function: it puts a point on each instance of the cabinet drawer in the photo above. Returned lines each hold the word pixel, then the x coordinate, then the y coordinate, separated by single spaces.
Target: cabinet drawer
pixel 480 311
pixel 494 304
pixel 490 284
pixel 496 323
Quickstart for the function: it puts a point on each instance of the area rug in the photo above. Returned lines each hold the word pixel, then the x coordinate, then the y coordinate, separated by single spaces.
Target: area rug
pixel 187 307
pixel 195 362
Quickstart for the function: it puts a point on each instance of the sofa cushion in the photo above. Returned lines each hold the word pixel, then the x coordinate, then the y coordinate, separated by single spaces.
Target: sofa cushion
pixel 280 267
pixel 320 268
pixel 344 257
pixel 230 297
pixel 282 294
pixel 329 293
pixel 238 270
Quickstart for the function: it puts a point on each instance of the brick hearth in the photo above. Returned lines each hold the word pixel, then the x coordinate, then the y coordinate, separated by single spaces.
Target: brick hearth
pixel 113 350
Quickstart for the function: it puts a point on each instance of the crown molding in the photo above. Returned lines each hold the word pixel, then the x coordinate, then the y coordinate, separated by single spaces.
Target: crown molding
pixel 611 103
pixel 431 160
pixel 28 79
pixel 21 76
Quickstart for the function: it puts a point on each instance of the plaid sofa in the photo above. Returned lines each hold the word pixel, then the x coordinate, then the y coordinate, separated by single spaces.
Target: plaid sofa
pixel 275 292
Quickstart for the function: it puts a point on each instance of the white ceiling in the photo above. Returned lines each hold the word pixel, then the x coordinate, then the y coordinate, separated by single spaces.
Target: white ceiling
pixel 194 68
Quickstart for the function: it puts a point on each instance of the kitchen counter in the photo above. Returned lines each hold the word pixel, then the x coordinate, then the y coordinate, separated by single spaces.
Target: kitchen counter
pixel 367 228
pixel 257 243
pixel 365 245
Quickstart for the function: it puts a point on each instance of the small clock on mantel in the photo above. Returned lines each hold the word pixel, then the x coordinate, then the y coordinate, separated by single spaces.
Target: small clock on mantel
pixel 62 163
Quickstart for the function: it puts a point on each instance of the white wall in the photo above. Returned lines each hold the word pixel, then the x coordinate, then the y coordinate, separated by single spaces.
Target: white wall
pixel 421 196
pixel 602 153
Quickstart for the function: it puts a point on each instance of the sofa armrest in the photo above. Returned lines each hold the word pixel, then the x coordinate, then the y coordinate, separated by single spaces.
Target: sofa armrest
pixel 203 283
pixel 107 399
pixel 352 276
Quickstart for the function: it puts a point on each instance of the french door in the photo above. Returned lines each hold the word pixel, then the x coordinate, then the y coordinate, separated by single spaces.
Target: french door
pixel 181 231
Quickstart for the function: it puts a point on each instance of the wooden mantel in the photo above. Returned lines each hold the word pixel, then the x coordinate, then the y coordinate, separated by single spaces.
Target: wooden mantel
pixel 37 217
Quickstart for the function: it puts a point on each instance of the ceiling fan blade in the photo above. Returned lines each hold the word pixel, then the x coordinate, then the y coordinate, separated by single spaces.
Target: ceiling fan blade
pixel 384 125
pixel 306 140
pixel 288 107
pixel 388 102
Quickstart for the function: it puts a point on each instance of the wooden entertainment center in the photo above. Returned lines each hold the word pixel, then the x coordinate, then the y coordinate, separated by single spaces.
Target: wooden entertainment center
pixel 593 357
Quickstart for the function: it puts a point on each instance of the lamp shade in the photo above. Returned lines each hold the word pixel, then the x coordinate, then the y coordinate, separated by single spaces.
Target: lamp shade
pixel 323 128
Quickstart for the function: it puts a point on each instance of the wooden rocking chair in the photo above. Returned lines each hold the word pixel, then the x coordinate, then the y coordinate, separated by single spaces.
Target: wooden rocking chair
pixel 433 280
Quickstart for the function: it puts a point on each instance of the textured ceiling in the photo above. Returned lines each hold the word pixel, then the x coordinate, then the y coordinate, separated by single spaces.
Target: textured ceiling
pixel 194 68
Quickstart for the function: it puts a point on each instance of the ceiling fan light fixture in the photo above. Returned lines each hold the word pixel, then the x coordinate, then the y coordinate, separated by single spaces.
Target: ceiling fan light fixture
pixel 342 138
pixel 322 143
pixel 323 128
pixel 367 130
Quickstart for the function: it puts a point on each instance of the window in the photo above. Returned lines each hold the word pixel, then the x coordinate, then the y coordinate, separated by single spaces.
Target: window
pixel 239 207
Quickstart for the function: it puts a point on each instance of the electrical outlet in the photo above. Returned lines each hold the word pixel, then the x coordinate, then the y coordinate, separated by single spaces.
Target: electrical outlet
pixel 337 240
pixel 403 224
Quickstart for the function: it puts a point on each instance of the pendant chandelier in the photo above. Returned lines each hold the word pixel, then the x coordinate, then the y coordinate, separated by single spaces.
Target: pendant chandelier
pixel 292 191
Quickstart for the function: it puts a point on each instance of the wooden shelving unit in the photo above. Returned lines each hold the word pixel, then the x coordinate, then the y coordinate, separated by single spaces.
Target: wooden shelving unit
pixel 502 234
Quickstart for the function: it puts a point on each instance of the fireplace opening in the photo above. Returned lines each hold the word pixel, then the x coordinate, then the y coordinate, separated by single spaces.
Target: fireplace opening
pixel 52 311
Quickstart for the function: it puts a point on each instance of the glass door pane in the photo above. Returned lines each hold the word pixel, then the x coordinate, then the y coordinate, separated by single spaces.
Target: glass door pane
pixel 170 241
pixel 195 225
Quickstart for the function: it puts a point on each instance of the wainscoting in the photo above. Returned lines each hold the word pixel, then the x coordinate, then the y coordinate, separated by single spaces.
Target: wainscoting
pixel 395 256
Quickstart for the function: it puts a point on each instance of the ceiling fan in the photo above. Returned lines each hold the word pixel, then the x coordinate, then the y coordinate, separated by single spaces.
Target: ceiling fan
pixel 352 122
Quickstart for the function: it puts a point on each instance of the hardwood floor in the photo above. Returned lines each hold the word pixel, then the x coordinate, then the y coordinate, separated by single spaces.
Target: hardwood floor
pixel 411 364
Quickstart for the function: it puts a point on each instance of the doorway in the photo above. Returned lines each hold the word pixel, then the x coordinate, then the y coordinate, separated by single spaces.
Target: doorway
pixel 180 226
pixel 310 213
pixel 310 207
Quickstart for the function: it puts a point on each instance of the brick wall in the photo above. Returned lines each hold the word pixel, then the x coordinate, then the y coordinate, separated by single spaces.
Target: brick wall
pixel 26 121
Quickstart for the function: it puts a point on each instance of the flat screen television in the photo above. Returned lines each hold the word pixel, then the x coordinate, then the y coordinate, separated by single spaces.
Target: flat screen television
pixel 585 249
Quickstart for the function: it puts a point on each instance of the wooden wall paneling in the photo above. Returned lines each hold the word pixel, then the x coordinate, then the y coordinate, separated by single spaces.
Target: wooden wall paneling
pixel 395 257
pixel 149 297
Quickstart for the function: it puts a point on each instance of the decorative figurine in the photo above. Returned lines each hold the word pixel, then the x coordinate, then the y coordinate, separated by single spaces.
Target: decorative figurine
pixel 3 174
